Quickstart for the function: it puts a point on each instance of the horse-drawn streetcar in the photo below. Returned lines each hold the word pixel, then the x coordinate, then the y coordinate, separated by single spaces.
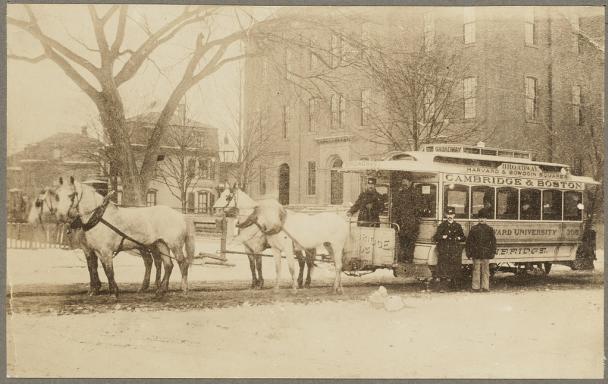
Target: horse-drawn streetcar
pixel 536 208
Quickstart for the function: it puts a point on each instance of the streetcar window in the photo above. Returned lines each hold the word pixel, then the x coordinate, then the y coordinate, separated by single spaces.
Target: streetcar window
pixel 529 204
pixel 457 196
pixel 552 204
pixel 571 201
pixel 482 198
pixel 428 203
pixel 506 203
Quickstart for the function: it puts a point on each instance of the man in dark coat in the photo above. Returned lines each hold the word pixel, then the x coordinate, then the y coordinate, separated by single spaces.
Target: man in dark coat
pixel 369 205
pixel 406 213
pixel 449 250
pixel 481 247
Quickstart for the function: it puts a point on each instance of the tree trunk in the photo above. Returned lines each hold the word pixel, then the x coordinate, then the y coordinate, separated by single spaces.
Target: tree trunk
pixel 114 122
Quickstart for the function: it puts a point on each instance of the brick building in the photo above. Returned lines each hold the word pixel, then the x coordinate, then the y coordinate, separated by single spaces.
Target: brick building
pixel 534 75
pixel 39 165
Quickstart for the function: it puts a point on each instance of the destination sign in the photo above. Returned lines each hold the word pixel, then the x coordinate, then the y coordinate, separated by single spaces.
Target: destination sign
pixel 518 170
pixel 503 181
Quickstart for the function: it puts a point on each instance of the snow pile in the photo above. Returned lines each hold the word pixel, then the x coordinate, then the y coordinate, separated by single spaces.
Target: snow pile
pixel 376 299
pixel 381 299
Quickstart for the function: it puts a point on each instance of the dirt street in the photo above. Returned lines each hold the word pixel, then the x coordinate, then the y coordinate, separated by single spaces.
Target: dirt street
pixel 534 327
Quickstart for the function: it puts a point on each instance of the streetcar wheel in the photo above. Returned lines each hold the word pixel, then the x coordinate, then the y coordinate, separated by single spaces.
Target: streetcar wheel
pixel 547 268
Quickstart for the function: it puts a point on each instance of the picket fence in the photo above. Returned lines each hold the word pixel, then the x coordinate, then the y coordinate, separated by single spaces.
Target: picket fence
pixel 28 236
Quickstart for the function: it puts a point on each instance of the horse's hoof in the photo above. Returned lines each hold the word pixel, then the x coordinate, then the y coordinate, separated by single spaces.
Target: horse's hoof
pixel 307 285
pixel 93 292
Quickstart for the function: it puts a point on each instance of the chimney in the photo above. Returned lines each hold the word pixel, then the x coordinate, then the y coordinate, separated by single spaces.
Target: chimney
pixel 83 131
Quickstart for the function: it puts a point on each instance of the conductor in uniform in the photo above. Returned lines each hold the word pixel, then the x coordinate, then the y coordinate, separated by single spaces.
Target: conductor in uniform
pixel 406 213
pixel 448 237
pixel 369 204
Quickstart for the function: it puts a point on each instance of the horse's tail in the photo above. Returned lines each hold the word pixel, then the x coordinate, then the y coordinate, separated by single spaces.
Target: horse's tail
pixel 189 240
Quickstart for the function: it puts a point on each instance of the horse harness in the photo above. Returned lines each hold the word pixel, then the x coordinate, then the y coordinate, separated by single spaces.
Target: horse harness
pixel 97 217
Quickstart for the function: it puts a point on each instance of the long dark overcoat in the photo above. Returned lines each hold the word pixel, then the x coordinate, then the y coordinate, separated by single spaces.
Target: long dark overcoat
pixel 449 249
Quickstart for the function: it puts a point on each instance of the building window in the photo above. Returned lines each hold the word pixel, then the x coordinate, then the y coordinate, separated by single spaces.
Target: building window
pixel 335 112
pixel 469 25
pixel 262 181
pixel 577 112
pixel 365 38
pixel 206 169
pixel 202 202
pixel 531 98
pixel 342 115
pixel 313 60
pixel 470 97
pixel 336 50
pixel 226 140
pixel 313 111
pixel 366 95
pixel 429 31
pixel 429 104
pixel 191 168
pixel 575 22
pixel 312 178
pixel 530 27
pixel 285 121
pixel 151 198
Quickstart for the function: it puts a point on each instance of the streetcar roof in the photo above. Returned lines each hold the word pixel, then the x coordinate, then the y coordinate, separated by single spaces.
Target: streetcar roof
pixel 426 162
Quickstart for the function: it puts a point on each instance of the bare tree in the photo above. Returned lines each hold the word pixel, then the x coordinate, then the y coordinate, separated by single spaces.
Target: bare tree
pixel 252 142
pixel 117 65
pixel 423 95
pixel 178 169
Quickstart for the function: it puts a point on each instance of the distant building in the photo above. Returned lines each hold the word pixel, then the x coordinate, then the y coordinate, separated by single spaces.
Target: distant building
pixel 188 141
pixel 535 73
pixel 41 164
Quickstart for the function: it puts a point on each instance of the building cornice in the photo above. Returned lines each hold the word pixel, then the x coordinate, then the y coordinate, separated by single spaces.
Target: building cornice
pixel 334 139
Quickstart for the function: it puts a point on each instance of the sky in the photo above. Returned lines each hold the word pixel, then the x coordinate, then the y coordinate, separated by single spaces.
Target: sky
pixel 42 100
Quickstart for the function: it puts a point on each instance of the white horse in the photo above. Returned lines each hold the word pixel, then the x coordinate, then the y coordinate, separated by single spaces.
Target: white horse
pixel 158 228
pixel 235 202
pixel 286 230
pixel 42 213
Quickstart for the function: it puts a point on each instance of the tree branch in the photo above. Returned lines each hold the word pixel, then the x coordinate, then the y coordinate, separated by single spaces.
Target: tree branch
pixel 32 60
pixel 120 30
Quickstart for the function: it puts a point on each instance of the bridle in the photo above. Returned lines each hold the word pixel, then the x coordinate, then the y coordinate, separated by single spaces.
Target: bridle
pixel 40 203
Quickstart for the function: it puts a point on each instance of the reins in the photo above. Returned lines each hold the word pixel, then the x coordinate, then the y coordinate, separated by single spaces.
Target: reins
pixel 97 217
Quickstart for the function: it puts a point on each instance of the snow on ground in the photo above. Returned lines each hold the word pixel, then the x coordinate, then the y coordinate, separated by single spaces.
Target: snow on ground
pixel 496 335
pixel 51 266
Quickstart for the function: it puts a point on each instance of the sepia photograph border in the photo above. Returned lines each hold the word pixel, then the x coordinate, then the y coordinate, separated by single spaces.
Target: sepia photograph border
pixel 3 192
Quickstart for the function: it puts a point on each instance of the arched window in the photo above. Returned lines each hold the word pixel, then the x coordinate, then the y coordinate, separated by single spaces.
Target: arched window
pixel 337 183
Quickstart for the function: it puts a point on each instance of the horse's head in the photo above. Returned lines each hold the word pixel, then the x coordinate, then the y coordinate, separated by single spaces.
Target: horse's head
pixel 268 217
pixel 75 199
pixel 43 208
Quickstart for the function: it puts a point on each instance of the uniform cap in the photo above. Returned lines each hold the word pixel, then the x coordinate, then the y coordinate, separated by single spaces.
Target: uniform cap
pixel 371 181
pixel 450 211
